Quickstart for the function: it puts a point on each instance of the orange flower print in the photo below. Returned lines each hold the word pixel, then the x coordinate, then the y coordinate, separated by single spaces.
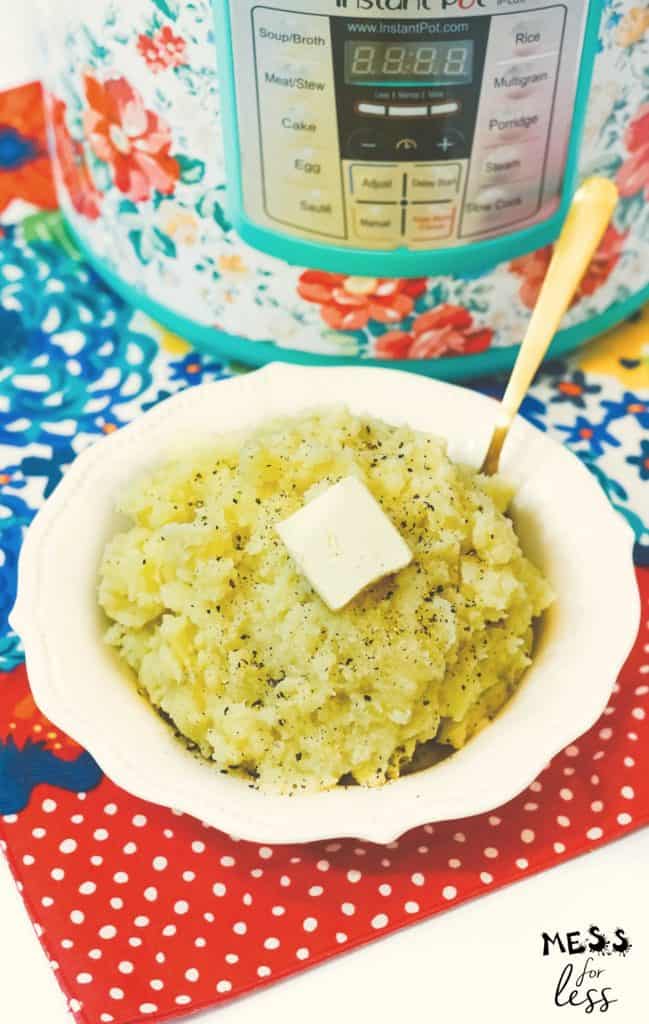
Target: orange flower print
pixel 133 140
pixel 163 50
pixel 444 330
pixel 348 303
pixel 533 267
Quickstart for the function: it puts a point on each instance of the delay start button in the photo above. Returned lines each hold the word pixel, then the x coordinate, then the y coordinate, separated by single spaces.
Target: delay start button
pixel 434 182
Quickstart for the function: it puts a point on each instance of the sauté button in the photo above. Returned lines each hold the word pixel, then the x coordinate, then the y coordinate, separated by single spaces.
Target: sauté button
pixel 315 210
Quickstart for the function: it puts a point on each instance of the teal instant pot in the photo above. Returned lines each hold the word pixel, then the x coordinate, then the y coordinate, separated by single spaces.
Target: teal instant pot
pixel 350 180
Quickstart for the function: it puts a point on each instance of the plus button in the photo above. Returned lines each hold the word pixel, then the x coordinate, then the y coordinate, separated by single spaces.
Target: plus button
pixel 445 144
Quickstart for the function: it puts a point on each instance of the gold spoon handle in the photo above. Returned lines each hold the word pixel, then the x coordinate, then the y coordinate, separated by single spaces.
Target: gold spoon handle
pixel 589 215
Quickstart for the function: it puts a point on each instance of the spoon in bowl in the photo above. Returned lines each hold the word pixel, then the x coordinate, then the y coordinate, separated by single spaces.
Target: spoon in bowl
pixel 589 215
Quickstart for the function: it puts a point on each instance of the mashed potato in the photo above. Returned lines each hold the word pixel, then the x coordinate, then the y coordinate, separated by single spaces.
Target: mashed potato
pixel 230 643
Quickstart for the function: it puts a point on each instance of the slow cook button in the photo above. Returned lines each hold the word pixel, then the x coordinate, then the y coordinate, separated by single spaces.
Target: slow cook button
pixel 317 211
pixel 371 182
pixel 378 223
pixel 430 222
pixel 495 207
pixel 431 182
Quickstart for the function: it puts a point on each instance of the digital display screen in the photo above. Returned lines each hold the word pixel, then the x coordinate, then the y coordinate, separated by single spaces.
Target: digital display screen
pixel 384 62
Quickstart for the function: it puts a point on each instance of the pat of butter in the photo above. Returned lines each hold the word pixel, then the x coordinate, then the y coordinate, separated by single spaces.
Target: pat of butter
pixel 343 541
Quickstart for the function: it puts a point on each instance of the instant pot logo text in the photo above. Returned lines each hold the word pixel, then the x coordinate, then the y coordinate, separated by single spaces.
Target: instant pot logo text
pixel 411 5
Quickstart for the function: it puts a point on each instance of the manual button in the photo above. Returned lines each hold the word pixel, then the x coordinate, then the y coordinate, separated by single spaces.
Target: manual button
pixel 376 182
pixel 434 182
pixel 378 223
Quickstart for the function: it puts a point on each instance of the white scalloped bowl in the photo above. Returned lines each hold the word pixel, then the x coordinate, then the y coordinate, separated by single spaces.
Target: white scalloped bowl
pixel 563 518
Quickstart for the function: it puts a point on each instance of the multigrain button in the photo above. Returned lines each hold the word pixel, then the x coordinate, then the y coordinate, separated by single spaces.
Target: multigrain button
pixel 377 223
pixel 430 222
pixel 519 80
pixel 372 182
pixel 433 182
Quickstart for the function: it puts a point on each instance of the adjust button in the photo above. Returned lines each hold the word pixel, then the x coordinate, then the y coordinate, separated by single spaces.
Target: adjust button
pixel 377 182
pixel 434 182
pixel 378 223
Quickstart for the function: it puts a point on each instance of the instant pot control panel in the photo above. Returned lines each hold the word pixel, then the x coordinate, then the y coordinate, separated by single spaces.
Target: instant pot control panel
pixel 376 125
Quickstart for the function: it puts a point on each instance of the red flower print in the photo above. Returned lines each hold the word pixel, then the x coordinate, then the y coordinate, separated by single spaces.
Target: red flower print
pixel 532 268
pixel 133 140
pixel 444 330
pixel 349 303
pixel 84 196
pixel 633 175
pixel 25 169
pixel 163 50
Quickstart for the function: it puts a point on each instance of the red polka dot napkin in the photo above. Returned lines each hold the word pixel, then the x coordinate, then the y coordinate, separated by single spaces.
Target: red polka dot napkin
pixel 145 914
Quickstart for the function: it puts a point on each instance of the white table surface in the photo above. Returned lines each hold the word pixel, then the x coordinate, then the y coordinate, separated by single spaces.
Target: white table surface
pixel 481 962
